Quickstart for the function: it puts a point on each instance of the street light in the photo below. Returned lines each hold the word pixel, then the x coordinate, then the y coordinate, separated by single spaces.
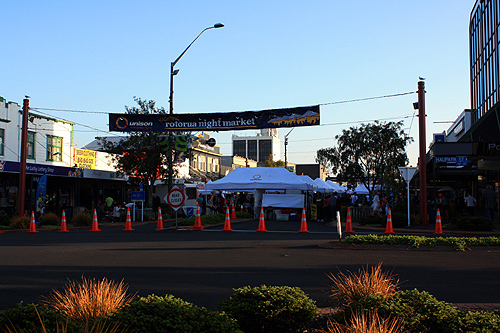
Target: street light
pixel 171 102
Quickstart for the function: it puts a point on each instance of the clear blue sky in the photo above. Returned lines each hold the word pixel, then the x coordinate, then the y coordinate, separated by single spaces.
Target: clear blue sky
pixel 98 55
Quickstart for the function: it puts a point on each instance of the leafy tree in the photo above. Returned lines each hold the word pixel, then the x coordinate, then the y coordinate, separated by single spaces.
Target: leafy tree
pixel 368 154
pixel 274 164
pixel 140 154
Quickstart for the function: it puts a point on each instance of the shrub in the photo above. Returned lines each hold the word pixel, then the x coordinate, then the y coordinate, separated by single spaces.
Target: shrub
pixel 372 220
pixel 20 222
pixel 24 318
pixel 475 223
pixel 400 220
pixel 4 219
pixel 478 321
pixel 351 287
pixel 49 219
pixel 366 322
pixel 89 300
pixel 270 309
pixel 82 219
pixel 169 314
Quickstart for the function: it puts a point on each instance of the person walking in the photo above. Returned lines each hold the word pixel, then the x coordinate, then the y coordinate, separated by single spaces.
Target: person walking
pixel 376 208
pixel 489 201
pixel 470 203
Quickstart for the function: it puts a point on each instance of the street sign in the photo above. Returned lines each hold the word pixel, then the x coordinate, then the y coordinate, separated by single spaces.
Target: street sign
pixel 458 160
pixel 138 196
pixel 407 172
pixel 175 198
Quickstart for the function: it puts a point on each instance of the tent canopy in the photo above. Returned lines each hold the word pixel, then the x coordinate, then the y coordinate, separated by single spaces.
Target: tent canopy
pixel 309 180
pixel 244 179
pixel 338 188
pixel 324 187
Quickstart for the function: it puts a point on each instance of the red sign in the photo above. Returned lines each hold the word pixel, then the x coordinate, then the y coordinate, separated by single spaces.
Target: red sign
pixel 175 198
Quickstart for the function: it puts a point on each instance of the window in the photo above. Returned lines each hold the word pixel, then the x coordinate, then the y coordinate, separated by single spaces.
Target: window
pixel 54 148
pixel 31 145
pixel 265 149
pixel 252 150
pixel 239 148
pixel 2 138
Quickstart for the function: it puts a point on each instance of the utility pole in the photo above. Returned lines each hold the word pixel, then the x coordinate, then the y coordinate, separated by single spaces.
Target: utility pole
pixel 24 149
pixel 422 159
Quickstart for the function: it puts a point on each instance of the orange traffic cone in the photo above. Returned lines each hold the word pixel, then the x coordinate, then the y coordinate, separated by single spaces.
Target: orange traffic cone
pixel 388 227
pixel 227 221
pixel 439 227
pixel 95 223
pixel 128 222
pixel 33 223
pixel 303 223
pixel 262 223
pixel 197 219
pixel 348 224
pixel 64 227
pixel 233 212
pixel 159 224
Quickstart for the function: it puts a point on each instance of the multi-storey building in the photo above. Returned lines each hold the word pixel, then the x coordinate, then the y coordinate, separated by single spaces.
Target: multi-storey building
pixel 259 147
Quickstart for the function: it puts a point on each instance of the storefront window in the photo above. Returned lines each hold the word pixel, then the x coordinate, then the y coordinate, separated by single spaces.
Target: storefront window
pixel 31 145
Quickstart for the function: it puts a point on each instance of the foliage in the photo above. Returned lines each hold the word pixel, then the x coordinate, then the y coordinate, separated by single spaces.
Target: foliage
pixel 475 223
pixel 458 243
pixel 141 154
pixel 4 219
pixel 478 321
pixel 49 219
pixel 348 288
pixel 86 301
pixel 212 219
pixel 372 220
pixel 26 318
pixel 275 164
pixel 270 308
pixel 82 219
pixel 22 222
pixel 402 207
pixel 366 322
pixel 169 314
pixel 368 154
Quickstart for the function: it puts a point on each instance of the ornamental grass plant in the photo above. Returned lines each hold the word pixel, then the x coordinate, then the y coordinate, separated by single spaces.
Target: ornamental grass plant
pixel 350 287
pixel 90 300
pixel 366 322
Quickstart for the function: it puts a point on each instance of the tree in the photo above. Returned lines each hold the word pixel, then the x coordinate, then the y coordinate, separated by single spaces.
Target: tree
pixel 275 164
pixel 140 154
pixel 369 154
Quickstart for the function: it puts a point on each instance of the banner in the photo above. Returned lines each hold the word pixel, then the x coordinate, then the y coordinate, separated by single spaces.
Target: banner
pixel 85 159
pixel 222 121
pixel 41 191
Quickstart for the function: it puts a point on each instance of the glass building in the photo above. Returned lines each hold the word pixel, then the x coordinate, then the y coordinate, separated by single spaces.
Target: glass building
pixel 484 39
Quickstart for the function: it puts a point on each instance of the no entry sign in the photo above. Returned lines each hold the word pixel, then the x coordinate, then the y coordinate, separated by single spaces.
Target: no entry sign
pixel 175 198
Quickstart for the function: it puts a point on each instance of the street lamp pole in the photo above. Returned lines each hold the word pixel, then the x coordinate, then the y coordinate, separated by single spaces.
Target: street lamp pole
pixel 174 72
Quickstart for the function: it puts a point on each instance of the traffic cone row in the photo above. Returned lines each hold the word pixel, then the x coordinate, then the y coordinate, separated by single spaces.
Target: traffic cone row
pixel 95 223
pixel 128 222
pixel 227 221
pixel 64 227
pixel 388 227
pixel 439 227
pixel 262 223
pixel 159 224
pixel 303 222
pixel 33 223
pixel 348 224
pixel 197 219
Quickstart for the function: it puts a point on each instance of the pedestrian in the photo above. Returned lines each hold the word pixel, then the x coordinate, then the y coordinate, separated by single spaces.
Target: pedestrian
pixel 489 201
pixel 376 208
pixel 156 204
pixel 109 203
pixel 116 212
pixel 470 203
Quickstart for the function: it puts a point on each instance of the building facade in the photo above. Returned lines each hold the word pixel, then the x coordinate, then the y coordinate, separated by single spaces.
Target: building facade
pixel 259 147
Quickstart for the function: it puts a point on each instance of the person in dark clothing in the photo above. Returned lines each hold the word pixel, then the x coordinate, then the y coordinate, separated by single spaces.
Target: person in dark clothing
pixel 156 204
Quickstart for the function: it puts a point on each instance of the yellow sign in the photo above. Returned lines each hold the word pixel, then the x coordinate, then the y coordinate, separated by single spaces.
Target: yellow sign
pixel 86 159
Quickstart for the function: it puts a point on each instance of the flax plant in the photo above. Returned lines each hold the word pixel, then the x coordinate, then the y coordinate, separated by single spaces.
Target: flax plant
pixel 366 323
pixel 351 287
pixel 89 300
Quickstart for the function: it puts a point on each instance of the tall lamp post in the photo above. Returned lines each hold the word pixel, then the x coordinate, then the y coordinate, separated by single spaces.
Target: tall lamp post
pixel 174 72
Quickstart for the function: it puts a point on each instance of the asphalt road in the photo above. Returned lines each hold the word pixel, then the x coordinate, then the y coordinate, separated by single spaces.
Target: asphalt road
pixel 202 267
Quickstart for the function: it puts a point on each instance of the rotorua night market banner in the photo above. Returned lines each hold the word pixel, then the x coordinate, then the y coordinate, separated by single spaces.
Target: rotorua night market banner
pixel 220 121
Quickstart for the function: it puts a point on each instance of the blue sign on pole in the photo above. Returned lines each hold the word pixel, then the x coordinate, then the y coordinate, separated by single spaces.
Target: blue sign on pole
pixel 138 196
pixel 458 160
